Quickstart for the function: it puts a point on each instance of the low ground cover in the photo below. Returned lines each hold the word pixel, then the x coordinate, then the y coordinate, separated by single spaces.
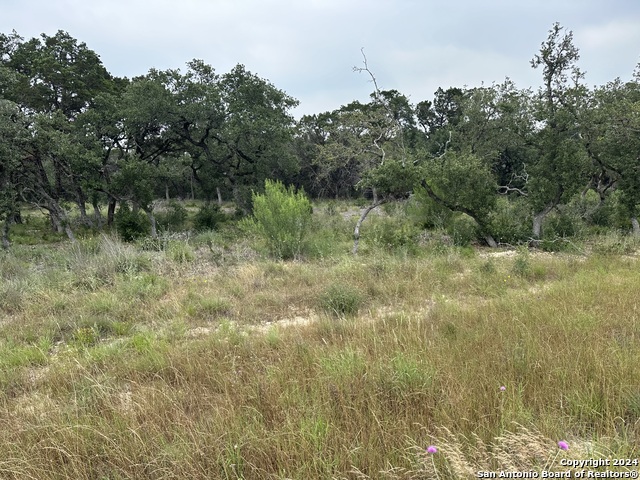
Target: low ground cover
pixel 203 357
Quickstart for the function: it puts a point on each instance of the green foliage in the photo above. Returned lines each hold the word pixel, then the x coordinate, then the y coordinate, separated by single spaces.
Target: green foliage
pixel 563 223
pixel 522 264
pixel 208 217
pixel 131 225
pixel 615 243
pixel 341 299
pixel 462 229
pixel 173 218
pixel 282 216
pixel 394 233
pixel 424 211
pixel 463 182
pixel 391 178
pixel 180 252
pixel 510 222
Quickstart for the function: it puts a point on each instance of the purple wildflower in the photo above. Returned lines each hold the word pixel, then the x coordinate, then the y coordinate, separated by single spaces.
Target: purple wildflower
pixel 432 449
pixel 563 445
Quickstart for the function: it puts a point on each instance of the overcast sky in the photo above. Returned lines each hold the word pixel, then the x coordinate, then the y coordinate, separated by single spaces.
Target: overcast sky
pixel 309 47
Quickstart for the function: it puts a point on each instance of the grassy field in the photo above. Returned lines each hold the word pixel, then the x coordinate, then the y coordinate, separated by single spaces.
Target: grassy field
pixel 202 358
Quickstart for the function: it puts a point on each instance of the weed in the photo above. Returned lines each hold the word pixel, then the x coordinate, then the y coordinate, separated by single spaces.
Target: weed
pixel 341 300
pixel 180 252
pixel 522 263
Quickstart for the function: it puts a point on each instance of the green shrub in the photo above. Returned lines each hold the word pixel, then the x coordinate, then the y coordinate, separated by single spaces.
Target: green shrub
pixel 462 229
pixel 522 263
pixel 615 243
pixel 511 221
pixel 332 208
pixel 424 211
pixel 131 225
pixel 564 223
pixel 392 234
pixel 174 218
pixel 208 217
pixel 281 217
pixel 180 252
pixel 341 300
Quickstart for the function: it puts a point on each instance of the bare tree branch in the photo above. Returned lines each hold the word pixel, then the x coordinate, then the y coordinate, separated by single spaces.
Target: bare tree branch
pixel 521 177
pixel 379 99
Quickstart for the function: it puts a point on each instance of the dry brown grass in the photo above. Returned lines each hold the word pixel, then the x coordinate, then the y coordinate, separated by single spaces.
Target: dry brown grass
pixel 209 370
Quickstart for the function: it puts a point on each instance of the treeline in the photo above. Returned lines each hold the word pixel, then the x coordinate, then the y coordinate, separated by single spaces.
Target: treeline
pixel 502 158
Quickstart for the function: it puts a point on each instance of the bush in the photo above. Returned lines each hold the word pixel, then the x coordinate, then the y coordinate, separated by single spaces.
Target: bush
pixel 180 252
pixel 562 224
pixel 615 243
pixel 522 263
pixel 131 225
pixel 281 217
pixel 393 234
pixel 462 229
pixel 511 221
pixel 208 217
pixel 341 300
pixel 174 218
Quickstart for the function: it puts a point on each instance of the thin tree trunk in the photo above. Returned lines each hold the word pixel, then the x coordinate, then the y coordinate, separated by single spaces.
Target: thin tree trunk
pixel 166 192
pixel 537 224
pixel 636 226
pixel 84 218
pixel 152 221
pixel 81 202
pixel 69 232
pixel 219 196
pixel 97 216
pixel 356 231
pixel 5 234
pixel 111 211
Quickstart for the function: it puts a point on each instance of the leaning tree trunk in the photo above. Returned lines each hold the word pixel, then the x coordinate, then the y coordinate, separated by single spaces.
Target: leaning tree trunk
pixel 356 231
pixel 538 218
pixel 56 223
pixel 152 221
pixel 60 220
pixel 490 240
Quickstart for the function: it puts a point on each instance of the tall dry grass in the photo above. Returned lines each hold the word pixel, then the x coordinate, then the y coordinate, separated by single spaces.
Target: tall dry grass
pixel 120 363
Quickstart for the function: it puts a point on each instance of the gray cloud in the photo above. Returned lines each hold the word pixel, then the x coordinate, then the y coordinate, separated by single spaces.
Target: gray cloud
pixel 308 48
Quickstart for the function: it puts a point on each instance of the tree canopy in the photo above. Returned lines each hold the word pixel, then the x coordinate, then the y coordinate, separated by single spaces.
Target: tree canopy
pixel 73 134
